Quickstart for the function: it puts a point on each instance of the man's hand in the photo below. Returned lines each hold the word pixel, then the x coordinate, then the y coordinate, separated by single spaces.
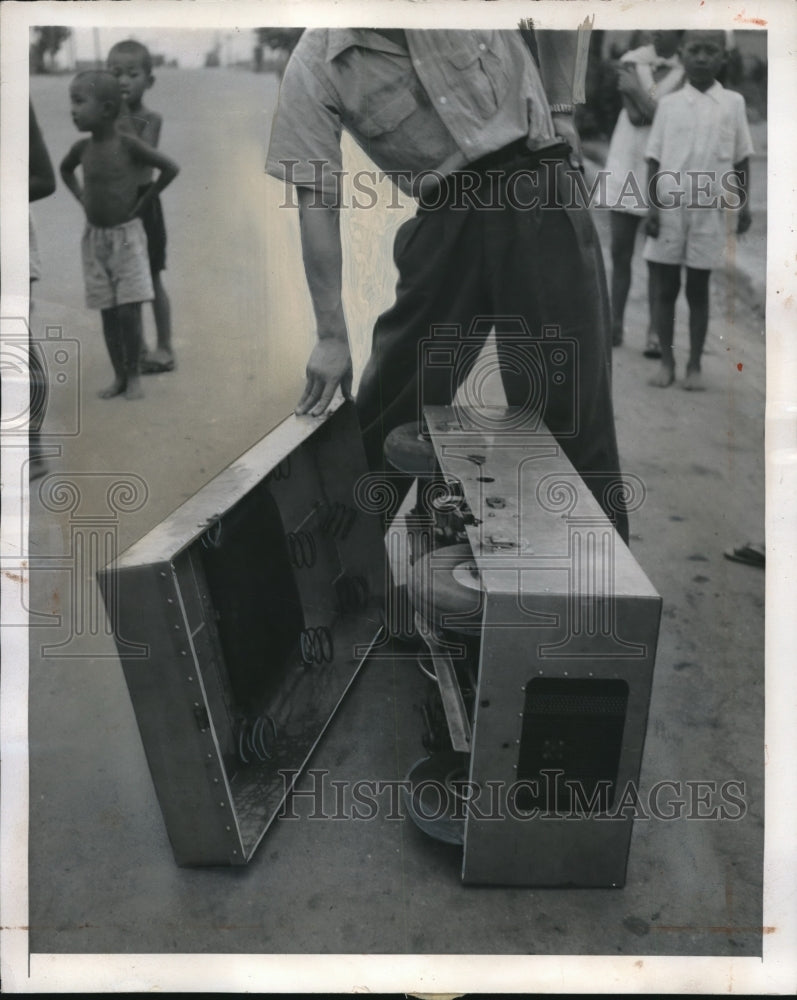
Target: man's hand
pixel 652 222
pixel 329 366
pixel 744 221
pixel 565 128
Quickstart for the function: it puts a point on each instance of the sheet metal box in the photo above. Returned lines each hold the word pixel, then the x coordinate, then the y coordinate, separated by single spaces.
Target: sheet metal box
pixel 569 636
pixel 241 621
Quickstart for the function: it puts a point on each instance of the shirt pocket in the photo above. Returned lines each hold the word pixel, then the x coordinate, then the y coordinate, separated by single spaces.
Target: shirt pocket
pixel 384 112
pixel 473 66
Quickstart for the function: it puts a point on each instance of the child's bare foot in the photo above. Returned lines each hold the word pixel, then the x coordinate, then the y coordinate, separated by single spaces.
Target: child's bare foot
pixel 664 377
pixel 157 361
pixel 134 390
pixel 693 380
pixel 116 388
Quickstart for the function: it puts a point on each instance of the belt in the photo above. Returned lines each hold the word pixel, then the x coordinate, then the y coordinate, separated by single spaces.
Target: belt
pixel 436 191
pixel 518 155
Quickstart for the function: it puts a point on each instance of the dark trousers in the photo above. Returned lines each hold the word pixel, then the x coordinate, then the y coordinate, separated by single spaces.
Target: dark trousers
pixel 536 275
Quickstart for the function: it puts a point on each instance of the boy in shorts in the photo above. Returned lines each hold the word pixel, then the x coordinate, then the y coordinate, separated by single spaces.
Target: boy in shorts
pixel 131 64
pixel 698 176
pixel 114 245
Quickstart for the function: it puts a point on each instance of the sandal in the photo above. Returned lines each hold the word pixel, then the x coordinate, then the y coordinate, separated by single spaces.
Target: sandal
pixel 749 554
pixel 652 348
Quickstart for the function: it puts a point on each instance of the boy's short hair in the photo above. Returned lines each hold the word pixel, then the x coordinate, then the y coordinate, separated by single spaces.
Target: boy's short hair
pixel 131 47
pixel 105 86
pixel 718 33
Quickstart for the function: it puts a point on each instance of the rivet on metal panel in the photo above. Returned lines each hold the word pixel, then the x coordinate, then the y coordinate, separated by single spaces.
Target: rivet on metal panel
pixel 539 671
pixel 234 852
pixel 565 673
pixel 514 767
pixel 221 804
pixel 163 574
pixel 518 742
pixel 520 715
pixel 183 652
pixel 169 600
pixel 215 781
pixel 177 628
pixel 228 828
pixel 210 756
pixel 190 678
pixel 196 703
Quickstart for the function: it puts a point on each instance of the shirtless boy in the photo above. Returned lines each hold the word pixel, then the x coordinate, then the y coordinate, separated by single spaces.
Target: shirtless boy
pixel 131 64
pixel 114 245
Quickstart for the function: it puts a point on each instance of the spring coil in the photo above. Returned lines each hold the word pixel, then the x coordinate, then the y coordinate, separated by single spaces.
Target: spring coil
pixel 302 548
pixel 252 743
pixel 337 518
pixel 212 537
pixel 352 593
pixel 316 645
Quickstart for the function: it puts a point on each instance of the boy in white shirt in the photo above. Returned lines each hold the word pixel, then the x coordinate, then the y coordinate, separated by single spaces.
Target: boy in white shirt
pixel 698 176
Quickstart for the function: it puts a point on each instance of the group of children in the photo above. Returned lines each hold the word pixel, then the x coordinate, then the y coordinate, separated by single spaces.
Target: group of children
pixel 697 152
pixel 696 149
pixel 124 242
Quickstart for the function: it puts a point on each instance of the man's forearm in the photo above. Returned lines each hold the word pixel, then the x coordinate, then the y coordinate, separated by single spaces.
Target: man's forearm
pixel 323 262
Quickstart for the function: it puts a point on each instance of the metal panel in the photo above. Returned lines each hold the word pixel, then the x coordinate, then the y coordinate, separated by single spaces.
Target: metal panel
pixel 564 600
pixel 174 718
pixel 251 641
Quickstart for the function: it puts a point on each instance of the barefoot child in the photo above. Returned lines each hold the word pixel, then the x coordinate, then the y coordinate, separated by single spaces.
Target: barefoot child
pixel 114 245
pixel 131 64
pixel 698 181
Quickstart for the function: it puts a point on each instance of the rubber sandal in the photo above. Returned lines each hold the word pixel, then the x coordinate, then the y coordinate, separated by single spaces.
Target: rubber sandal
pixel 748 554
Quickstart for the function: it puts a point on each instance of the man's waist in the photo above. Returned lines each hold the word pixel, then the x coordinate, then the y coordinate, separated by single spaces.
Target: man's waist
pixel 509 161
pixel 517 156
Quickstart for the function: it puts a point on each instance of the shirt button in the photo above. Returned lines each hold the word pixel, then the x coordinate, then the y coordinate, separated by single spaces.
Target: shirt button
pixel 444 100
pixel 482 46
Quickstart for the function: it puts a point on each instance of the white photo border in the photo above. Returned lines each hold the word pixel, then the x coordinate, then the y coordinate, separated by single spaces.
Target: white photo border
pixel 777 971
